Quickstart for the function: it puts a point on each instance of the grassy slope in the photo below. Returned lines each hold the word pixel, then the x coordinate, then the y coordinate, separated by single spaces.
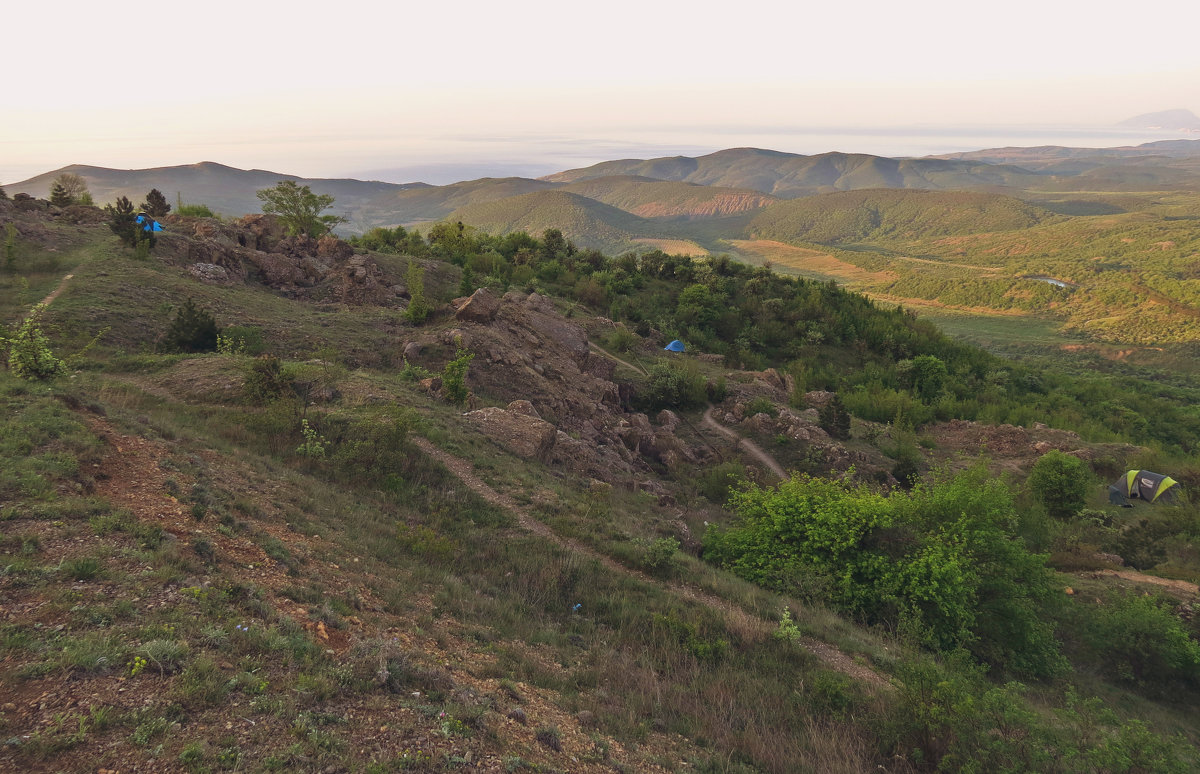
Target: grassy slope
pixel 463 614
pixel 585 221
pixel 664 199
pixel 878 215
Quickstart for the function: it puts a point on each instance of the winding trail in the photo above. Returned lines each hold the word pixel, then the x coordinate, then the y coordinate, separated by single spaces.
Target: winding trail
pixel 746 625
pixel 62 285
pixel 596 348
pixel 749 446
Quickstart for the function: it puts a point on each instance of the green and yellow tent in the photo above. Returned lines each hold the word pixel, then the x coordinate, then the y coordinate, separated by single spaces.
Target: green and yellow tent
pixel 1142 485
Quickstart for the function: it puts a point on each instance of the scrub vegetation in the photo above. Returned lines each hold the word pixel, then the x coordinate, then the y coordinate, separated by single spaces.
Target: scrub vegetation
pixel 240 560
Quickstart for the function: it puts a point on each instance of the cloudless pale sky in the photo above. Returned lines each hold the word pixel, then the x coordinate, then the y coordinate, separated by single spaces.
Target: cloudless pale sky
pixel 325 89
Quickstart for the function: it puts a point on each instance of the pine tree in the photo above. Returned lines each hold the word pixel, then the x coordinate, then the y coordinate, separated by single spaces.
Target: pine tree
pixel 835 419
pixel 192 330
pixel 123 222
pixel 59 196
pixel 156 204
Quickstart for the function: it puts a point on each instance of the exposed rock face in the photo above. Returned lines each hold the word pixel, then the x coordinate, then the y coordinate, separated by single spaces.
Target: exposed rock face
pixel 321 270
pixel 480 308
pixel 521 434
pixel 528 354
pixel 210 273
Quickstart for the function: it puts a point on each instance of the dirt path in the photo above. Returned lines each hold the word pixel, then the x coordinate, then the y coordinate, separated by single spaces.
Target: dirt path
pixel 1177 586
pixel 600 351
pixel 739 620
pixel 751 447
pixel 62 285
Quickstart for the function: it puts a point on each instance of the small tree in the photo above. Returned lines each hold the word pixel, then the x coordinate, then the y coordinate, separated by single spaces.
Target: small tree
pixel 418 307
pixel 1060 483
pixel 835 419
pixel 58 195
pixel 299 208
pixel 3 195
pixel 123 221
pixel 10 247
pixel 454 376
pixel 29 353
pixel 192 330
pixel 156 205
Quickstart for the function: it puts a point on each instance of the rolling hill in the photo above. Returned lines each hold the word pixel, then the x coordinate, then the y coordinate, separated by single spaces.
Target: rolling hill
pixel 425 203
pixel 790 175
pixel 586 222
pixel 227 190
pixel 649 198
pixel 857 216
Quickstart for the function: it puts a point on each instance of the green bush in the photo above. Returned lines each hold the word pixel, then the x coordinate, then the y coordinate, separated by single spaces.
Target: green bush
pixel 1060 483
pixel 761 405
pixel 192 330
pixel 716 482
pixel 674 384
pixel 1140 641
pixel 454 376
pixel 943 559
pixel 29 353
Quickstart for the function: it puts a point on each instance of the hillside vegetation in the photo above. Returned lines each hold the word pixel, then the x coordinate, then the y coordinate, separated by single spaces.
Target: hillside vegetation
pixel 512 534
pixel 876 215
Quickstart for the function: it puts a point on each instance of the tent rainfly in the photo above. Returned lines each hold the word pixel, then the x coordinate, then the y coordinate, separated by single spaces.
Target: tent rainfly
pixel 674 346
pixel 148 223
pixel 1142 485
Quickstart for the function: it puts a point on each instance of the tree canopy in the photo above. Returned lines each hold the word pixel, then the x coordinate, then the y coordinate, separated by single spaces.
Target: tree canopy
pixel 299 208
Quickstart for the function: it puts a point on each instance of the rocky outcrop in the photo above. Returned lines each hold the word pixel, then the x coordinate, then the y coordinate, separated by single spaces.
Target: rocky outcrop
pixel 480 308
pixel 521 434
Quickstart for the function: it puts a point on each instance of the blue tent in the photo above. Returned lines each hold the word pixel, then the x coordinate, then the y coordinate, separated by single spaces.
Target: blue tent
pixel 674 346
pixel 148 223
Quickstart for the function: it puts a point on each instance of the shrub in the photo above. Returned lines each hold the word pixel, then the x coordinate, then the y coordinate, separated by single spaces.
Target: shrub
pixel 835 419
pixel 1060 483
pixel 675 384
pixel 454 376
pixel 1140 641
pixel 418 307
pixel 29 353
pixel 944 558
pixel 761 405
pixel 194 211
pixel 716 482
pixel 192 330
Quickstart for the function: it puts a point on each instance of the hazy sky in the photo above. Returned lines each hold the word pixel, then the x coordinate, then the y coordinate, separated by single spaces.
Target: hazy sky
pixel 344 88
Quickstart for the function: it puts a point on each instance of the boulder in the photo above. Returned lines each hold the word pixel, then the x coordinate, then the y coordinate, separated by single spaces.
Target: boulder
pixel 523 407
pixel 330 246
pixel 521 434
pixel 480 308
pixel 210 273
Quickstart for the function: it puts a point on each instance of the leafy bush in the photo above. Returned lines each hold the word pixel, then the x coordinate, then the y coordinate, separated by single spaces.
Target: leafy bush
pixel 761 405
pixel 716 482
pixel 1060 483
pixel 943 560
pixel 675 384
pixel 1140 641
pixel 194 211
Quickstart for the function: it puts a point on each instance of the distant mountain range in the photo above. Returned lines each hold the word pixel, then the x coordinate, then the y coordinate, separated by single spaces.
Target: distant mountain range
pixel 1175 120
pixel 620 204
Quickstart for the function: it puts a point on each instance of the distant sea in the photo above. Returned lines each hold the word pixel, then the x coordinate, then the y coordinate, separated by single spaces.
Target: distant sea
pixel 451 159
